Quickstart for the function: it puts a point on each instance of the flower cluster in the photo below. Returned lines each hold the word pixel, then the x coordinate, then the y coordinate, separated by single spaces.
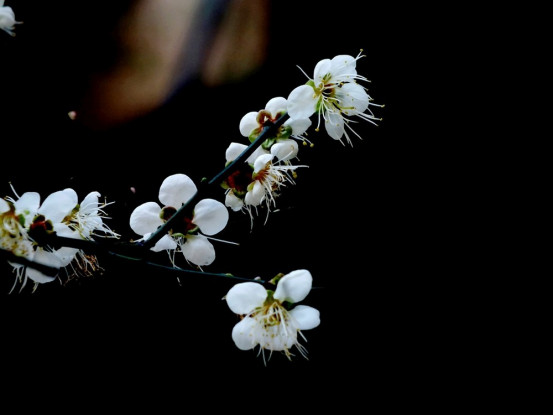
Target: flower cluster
pixel 27 227
pixel 333 93
pixel 36 235
pixel 259 179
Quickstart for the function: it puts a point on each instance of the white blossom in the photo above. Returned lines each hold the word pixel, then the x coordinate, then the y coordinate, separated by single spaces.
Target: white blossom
pixel 253 123
pixel 25 222
pixel 7 19
pixel 47 218
pixel 15 218
pixel 87 219
pixel 335 95
pixel 267 317
pixel 190 235
pixel 259 184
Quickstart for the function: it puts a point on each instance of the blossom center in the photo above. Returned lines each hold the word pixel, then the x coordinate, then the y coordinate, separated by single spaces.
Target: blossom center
pixel 184 227
pixel 263 173
pixel 271 313
pixel 40 228
pixel 238 181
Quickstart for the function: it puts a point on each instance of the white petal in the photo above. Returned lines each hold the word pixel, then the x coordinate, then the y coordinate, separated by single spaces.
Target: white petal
pixel 245 297
pixel 343 67
pixel 285 149
pixel 58 205
pixel 234 150
pixel 72 194
pixel 255 196
pixel 259 151
pixel 145 218
pixel 198 250
pixel 243 334
pixel 306 317
pixel 7 19
pixel 233 202
pixel 248 123
pixel 276 105
pixel 63 229
pixel 4 206
pixel 44 258
pixel 302 102
pixel 211 216
pixel 274 338
pixel 322 68
pixel 294 287
pixel 92 223
pixel 334 124
pixel 261 162
pixel 28 204
pixel 38 276
pixel 66 255
pixel 299 125
pixel 164 243
pixel 176 190
pixel 354 95
pixel 90 203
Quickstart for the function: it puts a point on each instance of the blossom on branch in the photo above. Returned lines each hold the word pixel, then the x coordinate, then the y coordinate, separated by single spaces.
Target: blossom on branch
pixel 335 95
pixel 253 123
pixel 47 220
pixel 87 219
pixel 267 317
pixel 26 226
pixel 257 183
pixel 14 217
pixel 189 234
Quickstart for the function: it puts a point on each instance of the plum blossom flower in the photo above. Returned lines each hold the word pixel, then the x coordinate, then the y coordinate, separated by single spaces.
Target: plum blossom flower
pixel 252 124
pixel 7 19
pixel 335 95
pixel 47 218
pixel 15 217
pixel 84 221
pixel 268 318
pixel 209 217
pixel 87 219
pixel 25 222
pixel 259 183
pixel 267 177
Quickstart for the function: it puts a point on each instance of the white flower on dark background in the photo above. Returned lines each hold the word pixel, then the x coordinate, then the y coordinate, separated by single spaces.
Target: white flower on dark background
pixel 189 235
pixel 334 94
pixel 7 19
pixel 267 317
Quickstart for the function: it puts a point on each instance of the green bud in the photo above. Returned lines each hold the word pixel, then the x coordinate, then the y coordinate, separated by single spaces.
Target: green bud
pixel 285 131
pixel 268 143
pixel 276 278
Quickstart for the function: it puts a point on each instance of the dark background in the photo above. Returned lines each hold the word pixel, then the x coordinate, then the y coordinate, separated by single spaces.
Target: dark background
pixel 360 217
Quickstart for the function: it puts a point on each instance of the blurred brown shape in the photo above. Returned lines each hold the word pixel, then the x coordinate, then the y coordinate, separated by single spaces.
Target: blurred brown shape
pixel 241 43
pixel 154 39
